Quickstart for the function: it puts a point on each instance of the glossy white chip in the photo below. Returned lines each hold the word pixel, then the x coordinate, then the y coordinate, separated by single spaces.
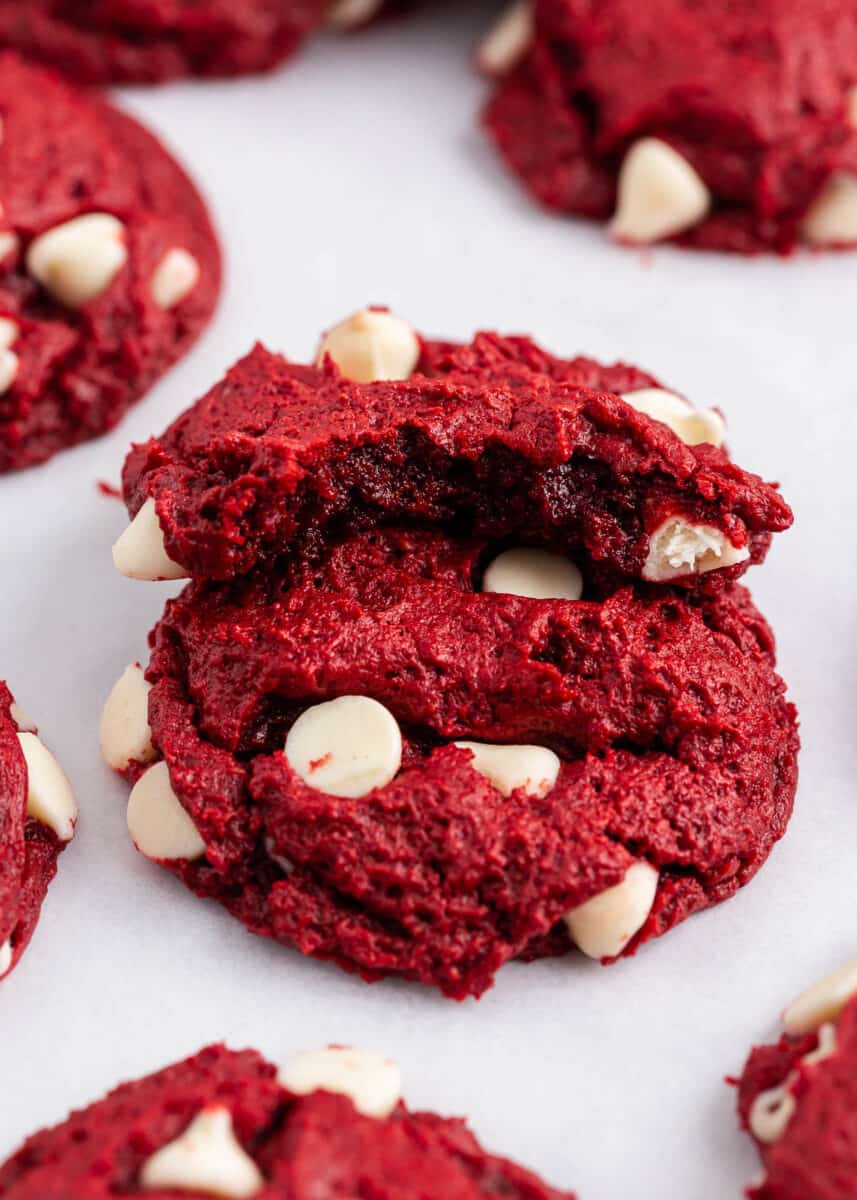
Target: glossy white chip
pixel 538 574
pixel 22 718
pixel 9 365
pixel 372 346
pixel 125 733
pixel 509 40
pixel 175 277
pixel 533 768
pixel 823 1001
pixel 5 957
pixel 77 261
pixel 659 194
pixel 160 827
pixel 207 1158
pixel 345 747
pixel 678 548
pixel 604 925
pixel 832 218
pixel 350 14
pixel 50 799
pixel 371 1082
pixel 140 553
pixel 693 427
pixel 9 332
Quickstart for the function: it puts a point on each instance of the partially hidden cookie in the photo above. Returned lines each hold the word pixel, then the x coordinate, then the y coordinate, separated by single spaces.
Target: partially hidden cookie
pixel 109 265
pixel 150 41
pixel 424 747
pixel 797 1098
pixel 720 127
pixel 38 815
pixel 229 1124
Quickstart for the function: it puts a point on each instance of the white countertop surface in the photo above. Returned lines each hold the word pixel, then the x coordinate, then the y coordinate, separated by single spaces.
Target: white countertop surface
pixel 358 175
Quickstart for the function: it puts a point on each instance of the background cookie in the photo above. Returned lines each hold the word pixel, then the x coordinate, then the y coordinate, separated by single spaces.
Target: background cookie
pixel 797 1098
pixel 229 1124
pixel 729 128
pixel 109 266
pixel 38 815
pixel 154 40
pixel 336 737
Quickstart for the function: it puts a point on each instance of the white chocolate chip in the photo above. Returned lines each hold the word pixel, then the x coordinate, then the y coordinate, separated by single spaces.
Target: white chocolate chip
pixel 771 1112
pixel 682 418
pixel 207 1158
pixel 659 194
pixel 677 548
pixel 822 1002
pixel 175 277
pixel 349 14
pixel 773 1109
pixel 8 369
pixel 537 574
pixel 77 261
pixel 22 718
pixel 5 957
pixel 10 244
pixel 533 768
pixel 160 827
pixel 9 332
pixel 125 733
pixel 140 552
pixel 509 40
pixel 49 796
pixel 832 217
pixel 345 747
pixel 371 346
pixel 371 1082
pixel 604 925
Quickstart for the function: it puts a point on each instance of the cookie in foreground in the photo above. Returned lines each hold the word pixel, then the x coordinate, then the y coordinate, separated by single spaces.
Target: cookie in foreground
pixel 38 815
pixel 720 127
pixel 440 727
pixel 109 265
pixel 231 1125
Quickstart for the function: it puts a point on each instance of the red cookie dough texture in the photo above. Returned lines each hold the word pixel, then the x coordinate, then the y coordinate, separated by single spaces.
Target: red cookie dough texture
pixel 228 1124
pixel 798 1098
pixel 439 722
pixel 38 815
pixel 150 41
pixel 109 266
pixel 723 127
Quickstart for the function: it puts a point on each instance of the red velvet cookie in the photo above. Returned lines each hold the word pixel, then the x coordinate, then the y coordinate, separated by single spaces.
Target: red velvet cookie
pixel 439 724
pixel 109 266
pixel 37 819
pixel 496 439
pixel 229 1124
pixel 393 757
pixel 729 127
pixel 798 1098
pixel 98 41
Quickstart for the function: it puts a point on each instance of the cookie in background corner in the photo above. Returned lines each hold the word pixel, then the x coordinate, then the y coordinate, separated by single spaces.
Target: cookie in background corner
pixel 109 265
pixel 797 1097
pixel 721 127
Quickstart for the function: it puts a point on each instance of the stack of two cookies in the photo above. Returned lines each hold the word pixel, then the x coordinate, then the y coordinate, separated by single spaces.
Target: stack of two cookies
pixel 463 672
